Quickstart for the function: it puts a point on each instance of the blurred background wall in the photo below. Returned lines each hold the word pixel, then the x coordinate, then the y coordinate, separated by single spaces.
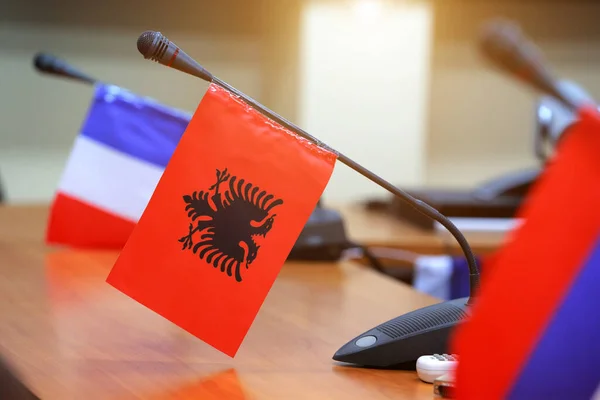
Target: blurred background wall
pixel 480 122
pixel 364 74
pixel 41 116
pixel 396 85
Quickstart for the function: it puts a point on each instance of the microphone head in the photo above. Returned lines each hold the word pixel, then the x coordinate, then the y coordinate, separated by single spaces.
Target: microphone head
pixel 42 61
pixel 503 43
pixel 52 65
pixel 145 41
pixel 505 46
pixel 155 46
pixel 500 36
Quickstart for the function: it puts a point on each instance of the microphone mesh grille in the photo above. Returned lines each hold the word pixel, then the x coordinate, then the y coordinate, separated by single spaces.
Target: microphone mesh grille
pixel 40 61
pixel 144 42
pixel 422 320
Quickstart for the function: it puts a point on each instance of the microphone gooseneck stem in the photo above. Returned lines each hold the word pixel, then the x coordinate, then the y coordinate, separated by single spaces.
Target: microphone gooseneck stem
pixel 155 46
pixel 415 203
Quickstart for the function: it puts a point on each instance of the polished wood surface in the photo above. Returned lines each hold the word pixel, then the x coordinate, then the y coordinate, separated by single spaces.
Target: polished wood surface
pixel 72 336
pixel 378 228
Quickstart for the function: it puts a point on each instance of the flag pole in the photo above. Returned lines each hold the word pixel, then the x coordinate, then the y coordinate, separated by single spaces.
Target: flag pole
pixel 156 47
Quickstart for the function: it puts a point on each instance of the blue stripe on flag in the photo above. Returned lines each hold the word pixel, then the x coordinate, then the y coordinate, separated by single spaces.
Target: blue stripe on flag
pixel 138 126
pixel 564 364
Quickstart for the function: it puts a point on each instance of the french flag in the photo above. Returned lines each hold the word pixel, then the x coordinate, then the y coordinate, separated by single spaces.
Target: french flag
pixel 115 164
pixel 534 329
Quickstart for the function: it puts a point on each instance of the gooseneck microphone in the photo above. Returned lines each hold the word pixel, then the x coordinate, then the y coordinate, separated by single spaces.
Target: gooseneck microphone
pixel 503 43
pixel 400 340
pixel 49 64
pixel 156 47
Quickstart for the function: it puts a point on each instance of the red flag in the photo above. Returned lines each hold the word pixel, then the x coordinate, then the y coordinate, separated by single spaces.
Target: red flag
pixel 533 332
pixel 227 211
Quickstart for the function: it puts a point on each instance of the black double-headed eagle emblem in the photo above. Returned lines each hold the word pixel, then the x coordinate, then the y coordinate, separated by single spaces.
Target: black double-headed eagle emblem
pixel 226 224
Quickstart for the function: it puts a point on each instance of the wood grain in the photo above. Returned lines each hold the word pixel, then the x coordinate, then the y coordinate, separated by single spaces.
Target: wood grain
pixel 72 336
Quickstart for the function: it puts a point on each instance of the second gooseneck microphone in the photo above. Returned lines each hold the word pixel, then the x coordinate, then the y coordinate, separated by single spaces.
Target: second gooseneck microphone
pixel 49 64
pixel 503 43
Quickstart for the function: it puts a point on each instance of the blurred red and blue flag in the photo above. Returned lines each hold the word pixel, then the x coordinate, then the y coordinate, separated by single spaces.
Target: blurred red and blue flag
pixel 534 329
pixel 114 166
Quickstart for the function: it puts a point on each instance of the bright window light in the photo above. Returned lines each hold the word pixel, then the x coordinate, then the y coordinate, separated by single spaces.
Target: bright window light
pixel 368 9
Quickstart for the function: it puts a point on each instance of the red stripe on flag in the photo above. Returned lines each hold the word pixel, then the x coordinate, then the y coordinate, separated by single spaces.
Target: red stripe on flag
pixel 78 224
pixel 531 274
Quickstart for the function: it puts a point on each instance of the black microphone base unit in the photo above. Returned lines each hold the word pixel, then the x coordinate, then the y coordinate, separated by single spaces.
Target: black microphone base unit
pixel 322 239
pixel 454 204
pixel 500 197
pixel 399 342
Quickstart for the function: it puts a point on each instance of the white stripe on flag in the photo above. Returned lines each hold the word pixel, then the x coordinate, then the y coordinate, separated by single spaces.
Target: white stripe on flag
pixel 108 179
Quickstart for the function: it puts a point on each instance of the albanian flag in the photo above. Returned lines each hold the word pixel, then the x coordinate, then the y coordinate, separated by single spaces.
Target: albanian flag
pixel 225 214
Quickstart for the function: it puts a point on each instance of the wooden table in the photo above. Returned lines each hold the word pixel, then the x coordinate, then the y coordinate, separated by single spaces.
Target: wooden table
pixel 378 228
pixel 372 228
pixel 72 336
